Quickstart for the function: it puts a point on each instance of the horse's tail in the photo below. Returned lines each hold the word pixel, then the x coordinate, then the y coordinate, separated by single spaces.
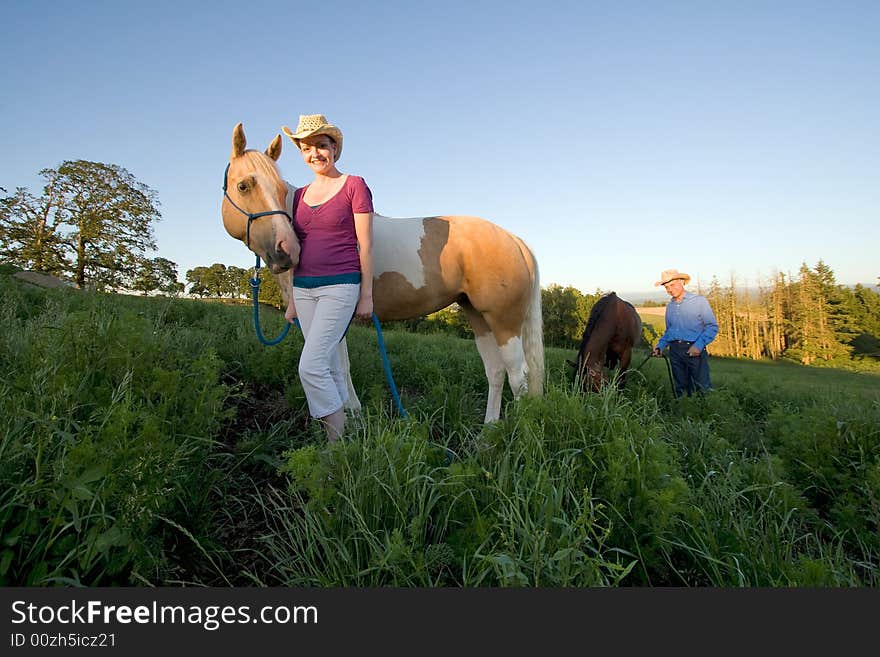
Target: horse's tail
pixel 533 327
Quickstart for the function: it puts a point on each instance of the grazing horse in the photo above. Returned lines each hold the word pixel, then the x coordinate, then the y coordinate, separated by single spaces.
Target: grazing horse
pixel 612 329
pixel 420 265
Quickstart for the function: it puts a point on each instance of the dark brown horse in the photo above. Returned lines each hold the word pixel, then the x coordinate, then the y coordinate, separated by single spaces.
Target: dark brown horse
pixel 613 328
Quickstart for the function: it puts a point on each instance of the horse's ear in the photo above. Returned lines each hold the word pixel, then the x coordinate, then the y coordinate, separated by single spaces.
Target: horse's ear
pixel 274 150
pixel 239 141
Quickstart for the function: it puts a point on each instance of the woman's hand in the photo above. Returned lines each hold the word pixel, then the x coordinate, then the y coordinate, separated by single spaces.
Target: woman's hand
pixel 290 313
pixel 364 308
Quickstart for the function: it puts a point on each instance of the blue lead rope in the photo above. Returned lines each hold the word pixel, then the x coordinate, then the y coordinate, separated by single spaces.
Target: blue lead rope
pixel 255 286
pixel 388 368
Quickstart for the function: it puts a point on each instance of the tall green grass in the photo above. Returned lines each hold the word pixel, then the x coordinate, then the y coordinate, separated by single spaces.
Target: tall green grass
pixel 154 441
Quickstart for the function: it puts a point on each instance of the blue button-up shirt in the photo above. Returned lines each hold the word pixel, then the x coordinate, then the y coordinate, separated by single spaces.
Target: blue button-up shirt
pixel 691 320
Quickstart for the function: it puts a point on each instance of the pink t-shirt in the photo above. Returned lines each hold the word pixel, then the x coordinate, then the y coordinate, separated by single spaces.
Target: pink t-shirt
pixel 326 232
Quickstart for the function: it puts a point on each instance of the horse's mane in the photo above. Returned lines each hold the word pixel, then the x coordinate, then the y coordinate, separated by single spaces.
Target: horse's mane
pixel 262 162
pixel 611 358
pixel 596 313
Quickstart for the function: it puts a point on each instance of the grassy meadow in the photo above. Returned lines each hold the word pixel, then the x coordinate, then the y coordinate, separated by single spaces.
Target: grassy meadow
pixel 151 441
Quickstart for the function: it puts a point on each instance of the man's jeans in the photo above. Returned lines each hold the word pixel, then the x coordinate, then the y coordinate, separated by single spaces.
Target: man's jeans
pixel 690 373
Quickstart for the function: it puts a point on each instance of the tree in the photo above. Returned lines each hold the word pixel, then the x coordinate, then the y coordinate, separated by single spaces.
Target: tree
pixel 196 278
pixel 776 304
pixel 157 274
pixel 215 279
pixel 270 293
pixel 565 313
pixel 867 312
pixel 559 309
pixel 236 282
pixel 812 326
pixel 30 231
pixel 111 216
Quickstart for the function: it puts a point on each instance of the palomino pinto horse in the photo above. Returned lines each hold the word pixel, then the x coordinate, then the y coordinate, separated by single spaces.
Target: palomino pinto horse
pixel 420 265
pixel 612 329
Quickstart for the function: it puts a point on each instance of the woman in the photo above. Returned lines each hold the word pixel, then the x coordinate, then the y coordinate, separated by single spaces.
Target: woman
pixel 333 219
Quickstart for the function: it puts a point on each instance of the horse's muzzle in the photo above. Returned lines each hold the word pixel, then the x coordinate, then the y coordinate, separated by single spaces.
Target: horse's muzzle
pixel 279 265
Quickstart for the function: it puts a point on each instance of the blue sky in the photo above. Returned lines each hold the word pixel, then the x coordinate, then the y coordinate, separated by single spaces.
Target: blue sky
pixel 617 138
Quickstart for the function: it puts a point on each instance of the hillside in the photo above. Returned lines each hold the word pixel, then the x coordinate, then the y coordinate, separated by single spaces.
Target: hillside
pixel 167 446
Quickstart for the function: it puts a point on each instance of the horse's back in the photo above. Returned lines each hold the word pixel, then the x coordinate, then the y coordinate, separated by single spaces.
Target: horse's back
pixel 632 321
pixel 427 263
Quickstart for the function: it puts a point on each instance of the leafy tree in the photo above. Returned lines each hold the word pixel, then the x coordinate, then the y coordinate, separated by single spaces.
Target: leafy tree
pixel 221 281
pixel 157 274
pixel 453 320
pixel 196 279
pixel 565 313
pixel 111 214
pixel 30 231
pixel 270 293
pixel 215 279
pixel 208 281
pixel 236 283
pixel 93 221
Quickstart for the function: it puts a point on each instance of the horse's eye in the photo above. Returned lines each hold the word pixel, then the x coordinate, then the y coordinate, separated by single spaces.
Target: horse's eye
pixel 242 187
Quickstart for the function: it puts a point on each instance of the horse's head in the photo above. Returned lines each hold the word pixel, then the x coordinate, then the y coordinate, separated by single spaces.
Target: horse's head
pixel 590 375
pixel 257 204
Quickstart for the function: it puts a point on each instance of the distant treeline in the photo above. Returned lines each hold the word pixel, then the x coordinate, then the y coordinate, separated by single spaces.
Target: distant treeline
pixel 808 318
pixel 93 225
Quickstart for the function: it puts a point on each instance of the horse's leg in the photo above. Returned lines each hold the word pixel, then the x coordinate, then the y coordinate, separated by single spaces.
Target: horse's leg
pixel 352 404
pixel 625 360
pixel 510 345
pixel 506 326
pixel 493 364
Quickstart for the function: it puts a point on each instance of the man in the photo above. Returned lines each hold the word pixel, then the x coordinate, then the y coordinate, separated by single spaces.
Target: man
pixel 690 326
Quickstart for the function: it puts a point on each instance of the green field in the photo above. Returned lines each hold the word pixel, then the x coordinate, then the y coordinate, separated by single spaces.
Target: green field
pixel 155 442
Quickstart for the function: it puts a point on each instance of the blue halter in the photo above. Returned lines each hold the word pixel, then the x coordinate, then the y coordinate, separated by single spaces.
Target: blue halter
pixel 250 215
pixel 255 287
pixel 255 280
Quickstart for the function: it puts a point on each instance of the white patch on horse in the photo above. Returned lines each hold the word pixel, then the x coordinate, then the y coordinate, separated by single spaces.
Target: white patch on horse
pixel 288 200
pixel 396 244
pixel 494 367
pixel 515 362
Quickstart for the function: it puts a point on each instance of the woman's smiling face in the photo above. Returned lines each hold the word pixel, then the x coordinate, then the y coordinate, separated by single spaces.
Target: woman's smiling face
pixel 319 153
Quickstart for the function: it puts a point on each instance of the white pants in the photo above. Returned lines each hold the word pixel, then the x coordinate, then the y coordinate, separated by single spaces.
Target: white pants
pixel 324 314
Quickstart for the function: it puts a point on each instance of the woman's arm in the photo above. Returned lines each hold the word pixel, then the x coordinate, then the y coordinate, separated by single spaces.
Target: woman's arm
pixel 363 226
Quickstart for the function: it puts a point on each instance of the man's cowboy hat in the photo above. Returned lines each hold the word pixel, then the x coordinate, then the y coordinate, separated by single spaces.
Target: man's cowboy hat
pixel 315 124
pixel 671 275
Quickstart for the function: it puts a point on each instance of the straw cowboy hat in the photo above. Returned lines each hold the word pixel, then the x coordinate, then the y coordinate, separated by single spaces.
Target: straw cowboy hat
pixel 671 275
pixel 315 124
